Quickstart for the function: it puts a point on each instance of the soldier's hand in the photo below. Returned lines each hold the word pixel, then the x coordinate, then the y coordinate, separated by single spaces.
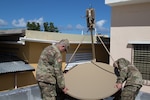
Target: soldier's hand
pixel 65 90
pixel 119 85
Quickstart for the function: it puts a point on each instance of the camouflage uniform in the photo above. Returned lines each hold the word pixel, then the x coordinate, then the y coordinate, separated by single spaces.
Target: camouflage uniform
pixel 49 72
pixel 132 76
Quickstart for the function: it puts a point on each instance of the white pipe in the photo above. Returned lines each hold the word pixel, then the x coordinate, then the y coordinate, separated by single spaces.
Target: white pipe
pixel 16 81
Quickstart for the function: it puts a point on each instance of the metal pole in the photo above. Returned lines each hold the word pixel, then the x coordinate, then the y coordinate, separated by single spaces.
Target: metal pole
pixel 93 47
pixel 90 18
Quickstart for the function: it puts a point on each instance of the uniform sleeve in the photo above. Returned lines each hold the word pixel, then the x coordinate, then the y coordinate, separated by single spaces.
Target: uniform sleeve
pixel 59 73
pixel 123 75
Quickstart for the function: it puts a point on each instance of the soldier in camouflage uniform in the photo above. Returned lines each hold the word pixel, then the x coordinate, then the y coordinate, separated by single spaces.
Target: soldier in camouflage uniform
pixel 129 74
pixel 49 72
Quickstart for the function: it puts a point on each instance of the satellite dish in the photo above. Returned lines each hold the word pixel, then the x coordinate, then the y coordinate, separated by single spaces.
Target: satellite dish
pixel 91 81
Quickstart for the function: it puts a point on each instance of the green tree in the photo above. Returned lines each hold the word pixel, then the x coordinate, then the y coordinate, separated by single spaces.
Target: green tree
pixel 33 26
pixel 28 26
pixel 45 24
pixel 38 27
pixel 50 27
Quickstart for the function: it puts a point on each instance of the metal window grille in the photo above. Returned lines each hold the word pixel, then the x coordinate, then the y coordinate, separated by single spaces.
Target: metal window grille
pixel 142 59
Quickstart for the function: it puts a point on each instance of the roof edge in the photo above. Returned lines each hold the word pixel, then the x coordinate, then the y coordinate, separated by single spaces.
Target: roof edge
pixel 124 2
pixel 138 42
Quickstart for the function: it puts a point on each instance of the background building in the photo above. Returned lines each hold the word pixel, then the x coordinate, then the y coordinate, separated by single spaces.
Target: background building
pixel 130 34
pixel 23 49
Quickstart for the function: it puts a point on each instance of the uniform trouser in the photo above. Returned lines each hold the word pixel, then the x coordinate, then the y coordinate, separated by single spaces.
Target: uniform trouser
pixel 130 92
pixel 48 91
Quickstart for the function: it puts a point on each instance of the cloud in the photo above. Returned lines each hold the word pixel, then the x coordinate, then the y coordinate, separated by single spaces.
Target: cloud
pixel 40 20
pixel 22 23
pixel 19 23
pixel 65 28
pixel 3 22
pixel 100 23
pixel 100 26
pixel 80 27
pixel 69 27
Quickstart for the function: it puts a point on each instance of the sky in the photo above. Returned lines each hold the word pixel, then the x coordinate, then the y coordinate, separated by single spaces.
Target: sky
pixel 67 15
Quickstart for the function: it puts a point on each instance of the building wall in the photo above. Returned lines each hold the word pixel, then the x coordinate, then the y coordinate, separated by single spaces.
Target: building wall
pixel 52 36
pixel 101 53
pixel 22 78
pixel 6 79
pixel 9 48
pixel 25 79
pixel 30 52
pixel 129 23
pixel 80 48
pixel 11 81
pixel 36 48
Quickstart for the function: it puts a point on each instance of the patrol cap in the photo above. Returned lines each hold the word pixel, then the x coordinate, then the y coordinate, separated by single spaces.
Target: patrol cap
pixel 122 62
pixel 65 42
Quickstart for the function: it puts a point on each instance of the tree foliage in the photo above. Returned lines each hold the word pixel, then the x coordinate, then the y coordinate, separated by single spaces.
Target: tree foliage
pixel 33 26
pixel 48 27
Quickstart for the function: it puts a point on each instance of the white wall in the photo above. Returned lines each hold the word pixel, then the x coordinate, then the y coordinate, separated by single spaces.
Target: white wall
pixel 120 37
pixel 129 23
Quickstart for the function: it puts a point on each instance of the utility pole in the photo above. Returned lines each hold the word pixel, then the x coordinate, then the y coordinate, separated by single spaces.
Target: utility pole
pixel 90 18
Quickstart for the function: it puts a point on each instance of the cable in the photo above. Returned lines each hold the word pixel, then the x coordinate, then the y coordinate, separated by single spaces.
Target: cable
pixel 75 51
pixel 101 67
pixel 107 51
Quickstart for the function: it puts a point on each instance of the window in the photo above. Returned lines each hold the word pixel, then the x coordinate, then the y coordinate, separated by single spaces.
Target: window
pixel 142 59
pixel 79 57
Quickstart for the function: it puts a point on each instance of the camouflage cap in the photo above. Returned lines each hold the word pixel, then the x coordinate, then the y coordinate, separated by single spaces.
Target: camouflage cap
pixel 122 62
pixel 65 42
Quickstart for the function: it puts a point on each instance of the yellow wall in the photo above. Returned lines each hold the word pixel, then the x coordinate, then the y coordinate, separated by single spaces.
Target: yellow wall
pixel 86 48
pixel 25 79
pixel 7 81
pixel 22 79
pixel 30 52
pixel 35 50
